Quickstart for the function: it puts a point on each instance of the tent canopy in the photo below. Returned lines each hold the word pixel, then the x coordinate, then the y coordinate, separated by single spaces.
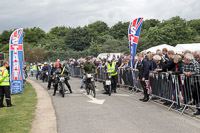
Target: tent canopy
pixel 191 47
pixel 153 49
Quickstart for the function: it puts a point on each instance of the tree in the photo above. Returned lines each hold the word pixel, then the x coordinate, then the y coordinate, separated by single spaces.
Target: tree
pixel 195 24
pixel 119 30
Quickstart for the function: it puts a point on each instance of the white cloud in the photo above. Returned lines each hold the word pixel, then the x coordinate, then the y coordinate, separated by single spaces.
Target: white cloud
pixel 50 13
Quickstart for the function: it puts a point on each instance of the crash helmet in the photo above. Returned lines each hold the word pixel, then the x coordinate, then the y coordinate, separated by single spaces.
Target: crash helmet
pixel 88 58
pixel 110 59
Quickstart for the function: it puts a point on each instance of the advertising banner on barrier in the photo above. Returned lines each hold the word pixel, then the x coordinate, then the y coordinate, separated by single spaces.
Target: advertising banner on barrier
pixel 16 61
pixel 133 35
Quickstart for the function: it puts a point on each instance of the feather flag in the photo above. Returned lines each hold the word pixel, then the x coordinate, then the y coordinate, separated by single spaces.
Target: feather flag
pixel 133 36
pixel 16 61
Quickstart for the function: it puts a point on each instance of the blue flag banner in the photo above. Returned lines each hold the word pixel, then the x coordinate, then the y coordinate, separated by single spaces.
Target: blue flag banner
pixel 16 61
pixel 133 36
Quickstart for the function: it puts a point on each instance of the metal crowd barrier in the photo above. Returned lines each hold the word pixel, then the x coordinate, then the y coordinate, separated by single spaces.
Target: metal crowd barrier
pixel 179 90
pixel 190 90
pixel 128 78
pixel 165 86
pixel 75 71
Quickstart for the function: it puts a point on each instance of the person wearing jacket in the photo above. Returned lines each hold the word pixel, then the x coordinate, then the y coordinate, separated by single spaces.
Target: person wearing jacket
pixel 53 69
pixel 88 67
pixel 190 68
pixel 143 75
pixel 62 71
pixel 5 85
pixel 112 68
pixel 45 69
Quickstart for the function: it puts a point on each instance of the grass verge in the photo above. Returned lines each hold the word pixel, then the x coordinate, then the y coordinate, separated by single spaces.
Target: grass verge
pixel 18 119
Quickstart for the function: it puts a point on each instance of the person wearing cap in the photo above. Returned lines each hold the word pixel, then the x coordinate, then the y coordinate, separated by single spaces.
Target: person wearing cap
pixel 45 69
pixel 88 67
pixel 156 63
pixel 111 67
pixel 143 75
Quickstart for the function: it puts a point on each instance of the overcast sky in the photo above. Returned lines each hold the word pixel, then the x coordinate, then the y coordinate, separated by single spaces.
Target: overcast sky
pixel 47 14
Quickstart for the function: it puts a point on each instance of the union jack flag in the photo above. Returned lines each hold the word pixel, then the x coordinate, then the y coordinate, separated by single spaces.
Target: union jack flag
pixel 133 36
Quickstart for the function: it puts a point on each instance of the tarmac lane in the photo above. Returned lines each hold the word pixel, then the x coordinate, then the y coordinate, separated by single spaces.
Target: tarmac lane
pixel 119 113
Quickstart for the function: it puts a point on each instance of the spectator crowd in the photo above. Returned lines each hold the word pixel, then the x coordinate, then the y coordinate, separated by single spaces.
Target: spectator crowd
pixel 187 63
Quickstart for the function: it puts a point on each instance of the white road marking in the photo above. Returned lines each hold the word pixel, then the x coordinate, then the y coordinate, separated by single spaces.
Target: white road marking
pixel 74 91
pixel 122 95
pixel 94 100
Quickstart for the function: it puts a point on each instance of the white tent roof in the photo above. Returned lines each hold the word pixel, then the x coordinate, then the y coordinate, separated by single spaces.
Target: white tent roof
pixel 153 49
pixel 191 47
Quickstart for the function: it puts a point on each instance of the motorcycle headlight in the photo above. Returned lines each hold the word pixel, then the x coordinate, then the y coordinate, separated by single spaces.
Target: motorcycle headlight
pixel 62 79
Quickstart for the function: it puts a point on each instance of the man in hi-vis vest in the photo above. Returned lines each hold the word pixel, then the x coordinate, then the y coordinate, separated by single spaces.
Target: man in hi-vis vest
pixel 5 85
pixel 112 67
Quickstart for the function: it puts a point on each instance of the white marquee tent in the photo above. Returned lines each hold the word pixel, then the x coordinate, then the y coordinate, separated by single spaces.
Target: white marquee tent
pixel 191 47
pixel 153 49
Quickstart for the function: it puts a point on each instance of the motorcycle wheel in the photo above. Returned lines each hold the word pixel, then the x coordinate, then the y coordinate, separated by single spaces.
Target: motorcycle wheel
pixel 93 92
pixel 109 90
pixel 63 89
pixel 88 89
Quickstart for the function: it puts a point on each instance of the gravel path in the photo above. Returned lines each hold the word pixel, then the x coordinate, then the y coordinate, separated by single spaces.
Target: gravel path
pixel 45 118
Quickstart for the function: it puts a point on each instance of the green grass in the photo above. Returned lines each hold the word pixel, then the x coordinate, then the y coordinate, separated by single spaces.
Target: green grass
pixel 18 119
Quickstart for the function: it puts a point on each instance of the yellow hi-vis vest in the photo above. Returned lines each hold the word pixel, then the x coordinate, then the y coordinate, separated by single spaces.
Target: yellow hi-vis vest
pixel 4 77
pixel 35 67
pixel 111 68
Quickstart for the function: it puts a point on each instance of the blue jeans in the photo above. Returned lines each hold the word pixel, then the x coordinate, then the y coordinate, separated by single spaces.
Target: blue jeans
pixel 82 82
pixel 35 73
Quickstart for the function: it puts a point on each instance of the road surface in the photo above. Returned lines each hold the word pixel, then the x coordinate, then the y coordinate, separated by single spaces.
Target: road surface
pixel 119 113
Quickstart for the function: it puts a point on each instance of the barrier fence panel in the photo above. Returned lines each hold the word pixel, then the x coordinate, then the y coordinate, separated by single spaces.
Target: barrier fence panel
pixel 75 71
pixel 128 78
pixel 190 90
pixel 165 86
pixel 101 75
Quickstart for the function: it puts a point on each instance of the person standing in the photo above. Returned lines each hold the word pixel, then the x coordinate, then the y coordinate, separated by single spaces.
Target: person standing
pixel 51 74
pixel 5 85
pixel 57 63
pixel 35 70
pixel 192 68
pixel 143 75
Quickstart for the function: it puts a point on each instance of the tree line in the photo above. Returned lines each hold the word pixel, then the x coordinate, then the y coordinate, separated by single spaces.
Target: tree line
pixel 64 42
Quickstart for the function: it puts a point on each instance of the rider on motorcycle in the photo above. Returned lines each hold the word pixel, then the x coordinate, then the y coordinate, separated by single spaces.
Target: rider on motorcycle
pixel 62 71
pixel 88 67
pixel 111 67
pixel 45 69
pixel 53 69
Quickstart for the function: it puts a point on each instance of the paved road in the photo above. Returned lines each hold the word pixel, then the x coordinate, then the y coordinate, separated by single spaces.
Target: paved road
pixel 120 113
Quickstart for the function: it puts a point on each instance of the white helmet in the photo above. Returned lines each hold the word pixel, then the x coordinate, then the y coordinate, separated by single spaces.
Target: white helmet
pixel 45 63
pixel 110 59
